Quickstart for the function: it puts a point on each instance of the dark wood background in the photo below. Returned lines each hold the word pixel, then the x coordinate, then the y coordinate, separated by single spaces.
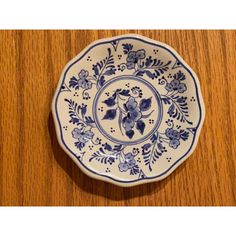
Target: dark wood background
pixel 35 171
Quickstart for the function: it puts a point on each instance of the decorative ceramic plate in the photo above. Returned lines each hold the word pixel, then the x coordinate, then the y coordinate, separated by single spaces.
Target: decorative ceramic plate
pixel 128 110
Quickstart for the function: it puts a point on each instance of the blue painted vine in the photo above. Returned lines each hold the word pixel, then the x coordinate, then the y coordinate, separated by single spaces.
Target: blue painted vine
pixel 142 65
pixel 154 149
pixel 108 155
pixel 102 69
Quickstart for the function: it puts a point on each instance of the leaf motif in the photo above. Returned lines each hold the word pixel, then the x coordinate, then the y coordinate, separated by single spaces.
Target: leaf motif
pixel 179 76
pixel 140 126
pixel 146 146
pixel 166 100
pixel 130 134
pixel 134 170
pixel 140 73
pixel 108 147
pixel 109 72
pixel 104 68
pixel 127 47
pixel 83 110
pixel 151 153
pixel 95 69
pixel 117 147
pixel 102 157
pixel 110 101
pixel 74 112
pixel 120 121
pixel 101 81
pixel 147 115
pixel 184 135
pixel 145 104
pixel 148 61
pixel 171 110
pixel 110 114
pixel 146 153
pixel 153 138
pixel 89 120
pixel 162 68
pixel 124 92
pixel 74 83
pixel 79 145
pixel 150 74
pixel 179 109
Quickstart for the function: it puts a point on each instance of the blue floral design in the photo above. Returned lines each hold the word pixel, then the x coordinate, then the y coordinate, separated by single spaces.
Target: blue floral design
pixel 174 137
pixel 178 106
pixel 82 137
pixel 133 114
pixel 128 163
pixel 133 58
pixel 152 67
pixel 83 81
pixel 130 110
pixel 175 85
pixel 130 114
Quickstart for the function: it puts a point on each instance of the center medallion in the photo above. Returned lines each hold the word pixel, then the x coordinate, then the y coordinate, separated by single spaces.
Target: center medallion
pixel 127 110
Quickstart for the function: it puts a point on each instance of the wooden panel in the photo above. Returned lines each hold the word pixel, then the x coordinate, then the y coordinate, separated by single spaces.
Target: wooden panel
pixel 35 171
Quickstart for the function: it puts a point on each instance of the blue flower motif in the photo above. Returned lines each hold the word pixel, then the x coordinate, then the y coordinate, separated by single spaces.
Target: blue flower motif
pixel 133 114
pixel 129 159
pixel 131 104
pixel 83 82
pixel 182 88
pixel 82 136
pixel 169 87
pixel 172 134
pixel 128 163
pixel 175 85
pixel 123 167
pixel 83 74
pixel 174 137
pixel 174 143
pixel 128 124
pixel 130 65
pixel 133 58
pixel 140 54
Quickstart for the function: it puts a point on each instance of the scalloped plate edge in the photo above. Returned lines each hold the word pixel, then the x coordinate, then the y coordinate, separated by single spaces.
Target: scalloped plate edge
pixel 107 179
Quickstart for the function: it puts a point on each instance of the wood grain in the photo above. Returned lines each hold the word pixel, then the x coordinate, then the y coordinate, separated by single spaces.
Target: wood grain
pixel 34 171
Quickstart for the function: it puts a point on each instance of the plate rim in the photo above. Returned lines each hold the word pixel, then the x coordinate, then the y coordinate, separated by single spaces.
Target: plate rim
pixel 105 178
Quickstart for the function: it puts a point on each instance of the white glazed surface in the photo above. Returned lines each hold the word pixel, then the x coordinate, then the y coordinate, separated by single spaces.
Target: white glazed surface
pixel 144 142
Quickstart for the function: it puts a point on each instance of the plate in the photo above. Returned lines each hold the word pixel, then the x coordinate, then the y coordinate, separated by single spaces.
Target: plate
pixel 128 110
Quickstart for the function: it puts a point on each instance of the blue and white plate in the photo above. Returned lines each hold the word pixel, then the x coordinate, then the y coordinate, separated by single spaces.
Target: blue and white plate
pixel 128 110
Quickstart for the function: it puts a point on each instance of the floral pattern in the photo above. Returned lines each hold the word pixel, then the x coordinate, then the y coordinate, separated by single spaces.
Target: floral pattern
pixel 128 163
pixel 174 137
pixel 134 57
pixel 82 82
pixel 123 103
pixel 132 116
pixel 176 85
pixel 131 108
pixel 82 137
